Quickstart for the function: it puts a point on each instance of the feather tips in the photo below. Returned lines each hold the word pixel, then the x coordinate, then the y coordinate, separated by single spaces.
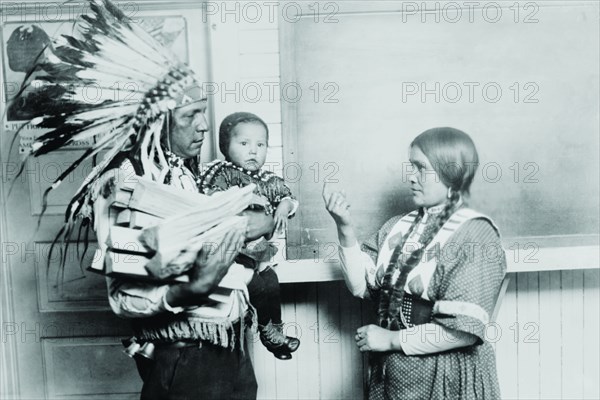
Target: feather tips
pixel 104 84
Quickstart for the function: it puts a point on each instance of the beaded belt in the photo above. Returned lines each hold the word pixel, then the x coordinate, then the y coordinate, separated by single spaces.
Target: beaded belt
pixel 145 348
pixel 416 311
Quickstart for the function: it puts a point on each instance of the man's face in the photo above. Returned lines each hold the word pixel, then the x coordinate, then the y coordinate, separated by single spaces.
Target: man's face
pixel 189 127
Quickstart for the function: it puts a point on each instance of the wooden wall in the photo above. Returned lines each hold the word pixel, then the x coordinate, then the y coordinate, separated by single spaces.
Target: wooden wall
pixel 548 326
pixel 245 72
pixel 549 343
pixel 327 365
pixel 58 338
pixel 546 332
pixel 545 337
pixel 374 53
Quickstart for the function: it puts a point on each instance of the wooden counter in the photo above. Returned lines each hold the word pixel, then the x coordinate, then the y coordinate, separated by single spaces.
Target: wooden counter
pixel 525 259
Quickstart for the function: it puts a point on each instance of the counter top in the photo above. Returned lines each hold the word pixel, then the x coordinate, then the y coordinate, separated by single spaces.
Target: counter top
pixel 524 259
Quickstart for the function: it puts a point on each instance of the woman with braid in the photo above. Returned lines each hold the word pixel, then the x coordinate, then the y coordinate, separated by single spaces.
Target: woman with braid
pixel 434 275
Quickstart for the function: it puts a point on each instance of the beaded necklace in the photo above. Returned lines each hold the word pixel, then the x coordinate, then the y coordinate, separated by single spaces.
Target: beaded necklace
pixel 216 166
pixel 206 181
pixel 178 171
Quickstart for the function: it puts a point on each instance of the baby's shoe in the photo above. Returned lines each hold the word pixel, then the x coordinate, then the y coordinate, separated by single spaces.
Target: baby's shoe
pixel 272 337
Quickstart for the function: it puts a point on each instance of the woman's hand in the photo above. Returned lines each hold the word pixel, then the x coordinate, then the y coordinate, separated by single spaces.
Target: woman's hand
pixel 211 265
pixel 374 338
pixel 338 206
pixel 339 209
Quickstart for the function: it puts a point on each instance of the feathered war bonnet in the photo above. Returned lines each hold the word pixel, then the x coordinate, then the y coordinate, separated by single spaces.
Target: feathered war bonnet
pixel 139 82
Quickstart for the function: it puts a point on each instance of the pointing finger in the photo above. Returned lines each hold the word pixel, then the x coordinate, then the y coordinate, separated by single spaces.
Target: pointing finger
pixel 326 193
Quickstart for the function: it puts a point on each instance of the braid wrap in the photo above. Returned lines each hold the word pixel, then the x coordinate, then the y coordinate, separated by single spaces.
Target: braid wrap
pixel 392 293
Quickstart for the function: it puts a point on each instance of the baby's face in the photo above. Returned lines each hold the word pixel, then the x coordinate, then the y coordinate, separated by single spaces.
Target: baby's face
pixel 248 146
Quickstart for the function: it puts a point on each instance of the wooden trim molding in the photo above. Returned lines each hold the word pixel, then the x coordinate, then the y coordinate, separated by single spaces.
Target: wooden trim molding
pixel 524 254
pixel 67 11
pixel 528 260
pixel 9 373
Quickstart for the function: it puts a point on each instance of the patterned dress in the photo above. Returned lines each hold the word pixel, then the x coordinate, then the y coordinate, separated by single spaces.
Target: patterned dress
pixel 221 175
pixel 464 286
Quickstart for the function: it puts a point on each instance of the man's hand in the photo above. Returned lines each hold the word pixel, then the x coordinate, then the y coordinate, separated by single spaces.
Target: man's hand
pixel 259 224
pixel 259 200
pixel 212 263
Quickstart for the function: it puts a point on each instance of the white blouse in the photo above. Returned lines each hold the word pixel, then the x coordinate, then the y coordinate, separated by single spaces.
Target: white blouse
pixel 422 339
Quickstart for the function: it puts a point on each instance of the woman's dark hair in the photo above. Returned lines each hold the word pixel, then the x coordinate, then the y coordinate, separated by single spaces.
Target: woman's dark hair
pixel 233 120
pixel 452 154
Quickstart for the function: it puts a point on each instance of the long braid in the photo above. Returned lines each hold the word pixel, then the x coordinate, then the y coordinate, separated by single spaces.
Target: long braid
pixel 390 301
pixel 442 218
pixel 374 292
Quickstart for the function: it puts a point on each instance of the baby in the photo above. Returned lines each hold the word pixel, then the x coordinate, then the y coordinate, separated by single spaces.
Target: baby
pixel 243 139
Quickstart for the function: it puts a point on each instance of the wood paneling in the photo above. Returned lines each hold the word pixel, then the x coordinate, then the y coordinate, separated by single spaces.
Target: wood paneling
pixel 527 334
pixel 528 347
pixel 58 338
pixel 591 332
pixel 545 339
pixel 550 329
pixel 71 288
pixel 309 368
pixel 549 324
pixel 41 173
pixel 327 365
pixel 572 334
pixel 559 360
pixel 92 368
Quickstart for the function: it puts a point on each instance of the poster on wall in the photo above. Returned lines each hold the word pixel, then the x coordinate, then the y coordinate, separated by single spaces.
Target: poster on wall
pixel 25 43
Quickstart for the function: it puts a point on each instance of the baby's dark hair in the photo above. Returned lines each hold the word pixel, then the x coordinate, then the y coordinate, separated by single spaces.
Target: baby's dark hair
pixel 233 120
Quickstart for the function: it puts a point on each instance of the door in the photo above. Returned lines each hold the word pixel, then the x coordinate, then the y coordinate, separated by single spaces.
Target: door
pixel 59 337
